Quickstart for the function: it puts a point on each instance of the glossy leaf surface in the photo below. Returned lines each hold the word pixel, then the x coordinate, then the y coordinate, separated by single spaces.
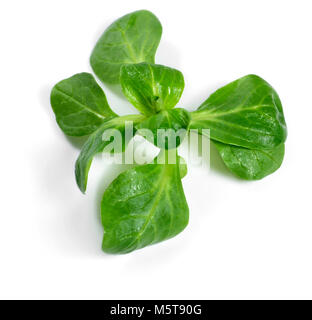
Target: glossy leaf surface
pixel 246 112
pixel 95 144
pixel 169 127
pixel 143 206
pixel 133 38
pixel 79 104
pixel 151 87
pixel 251 164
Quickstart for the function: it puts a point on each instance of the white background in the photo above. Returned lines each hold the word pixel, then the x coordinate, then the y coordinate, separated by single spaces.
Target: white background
pixel 244 240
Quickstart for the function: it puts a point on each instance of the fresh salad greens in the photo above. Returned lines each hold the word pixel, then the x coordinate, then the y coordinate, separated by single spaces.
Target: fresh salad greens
pixel 133 38
pixel 150 87
pixel 146 204
pixel 80 105
pixel 247 113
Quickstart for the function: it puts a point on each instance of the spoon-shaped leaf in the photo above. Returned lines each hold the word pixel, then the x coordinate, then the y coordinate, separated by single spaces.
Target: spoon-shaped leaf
pixel 246 112
pixel 96 144
pixel 79 104
pixel 133 38
pixel 251 164
pixel 151 87
pixel 143 206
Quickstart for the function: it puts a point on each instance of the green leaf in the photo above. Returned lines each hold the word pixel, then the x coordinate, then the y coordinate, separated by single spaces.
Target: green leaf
pixel 163 157
pixel 143 206
pixel 79 104
pixel 251 164
pixel 133 38
pixel 183 167
pixel 246 113
pixel 96 144
pixel 151 87
pixel 168 128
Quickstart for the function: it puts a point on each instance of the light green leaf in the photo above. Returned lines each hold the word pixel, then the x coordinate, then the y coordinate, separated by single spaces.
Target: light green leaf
pixel 183 167
pixel 251 164
pixel 96 144
pixel 151 87
pixel 163 157
pixel 133 38
pixel 143 206
pixel 168 127
pixel 246 113
pixel 79 104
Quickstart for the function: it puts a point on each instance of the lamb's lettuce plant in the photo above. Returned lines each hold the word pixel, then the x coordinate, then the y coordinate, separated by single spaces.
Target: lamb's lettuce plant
pixel 146 204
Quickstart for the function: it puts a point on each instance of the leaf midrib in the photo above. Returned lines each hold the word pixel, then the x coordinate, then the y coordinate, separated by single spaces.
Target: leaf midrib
pixel 214 113
pixel 79 103
pixel 128 44
pixel 150 216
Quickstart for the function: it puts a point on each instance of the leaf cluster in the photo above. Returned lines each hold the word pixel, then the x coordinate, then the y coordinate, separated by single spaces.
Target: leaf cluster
pixel 146 204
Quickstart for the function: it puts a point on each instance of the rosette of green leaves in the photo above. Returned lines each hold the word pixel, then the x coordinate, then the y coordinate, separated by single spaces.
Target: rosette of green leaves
pixel 146 204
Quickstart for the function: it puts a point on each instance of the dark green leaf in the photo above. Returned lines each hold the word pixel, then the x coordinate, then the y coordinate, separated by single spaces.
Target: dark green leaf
pixel 246 112
pixel 168 128
pixel 251 164
pixel 143 206
pixel 133 38
pixel 151 87
pixel 95 144
pixel 79 104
